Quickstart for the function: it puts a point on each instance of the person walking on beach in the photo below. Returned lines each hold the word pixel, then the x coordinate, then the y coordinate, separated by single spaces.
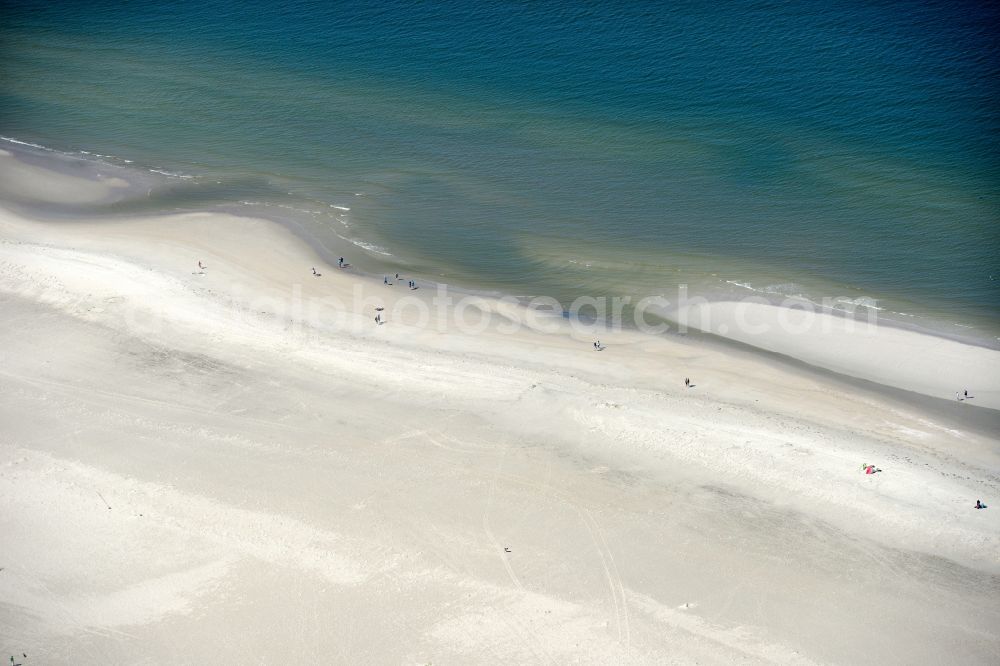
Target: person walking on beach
pixel 340 264
pixel 385 279
pixel 200 265
pixel 687 382
pixel 315 273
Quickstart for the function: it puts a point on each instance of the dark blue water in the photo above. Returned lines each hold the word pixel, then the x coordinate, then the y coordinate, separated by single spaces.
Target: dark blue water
pixel 824 149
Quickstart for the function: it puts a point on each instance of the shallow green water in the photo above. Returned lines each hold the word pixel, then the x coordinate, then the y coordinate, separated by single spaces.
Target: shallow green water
pixel 827 150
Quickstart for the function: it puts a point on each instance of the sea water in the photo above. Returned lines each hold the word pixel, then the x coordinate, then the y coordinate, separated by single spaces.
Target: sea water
pixel 840 150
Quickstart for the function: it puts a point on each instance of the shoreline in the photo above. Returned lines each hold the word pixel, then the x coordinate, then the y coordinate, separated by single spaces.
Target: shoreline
pixel 810 348
pixel 375 262
pixel 240 450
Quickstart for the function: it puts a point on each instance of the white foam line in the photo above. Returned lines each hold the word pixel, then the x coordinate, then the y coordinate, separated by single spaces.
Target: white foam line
pixel 26 143
pixel 370 247
pixel 171 173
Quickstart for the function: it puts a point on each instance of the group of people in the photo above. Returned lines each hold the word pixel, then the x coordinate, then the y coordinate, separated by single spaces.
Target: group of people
pixel 412 284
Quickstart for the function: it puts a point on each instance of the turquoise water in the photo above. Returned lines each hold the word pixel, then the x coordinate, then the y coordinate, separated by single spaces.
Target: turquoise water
pixel 824 149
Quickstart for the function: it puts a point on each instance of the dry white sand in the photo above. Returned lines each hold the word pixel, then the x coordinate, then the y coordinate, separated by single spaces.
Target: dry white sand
pixel 860 347
pixel 193 469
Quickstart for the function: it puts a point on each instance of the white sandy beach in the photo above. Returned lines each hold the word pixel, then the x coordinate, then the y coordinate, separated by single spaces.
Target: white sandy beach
pixel 859 347
pixel 237 465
